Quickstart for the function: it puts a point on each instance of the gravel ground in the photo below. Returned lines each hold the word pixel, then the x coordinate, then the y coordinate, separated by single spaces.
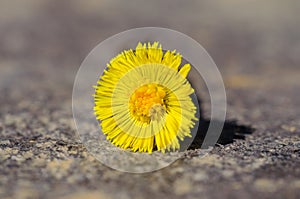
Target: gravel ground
pixel 256 47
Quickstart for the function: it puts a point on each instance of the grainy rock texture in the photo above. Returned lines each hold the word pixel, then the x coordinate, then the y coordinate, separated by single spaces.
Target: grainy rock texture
pixel 256 47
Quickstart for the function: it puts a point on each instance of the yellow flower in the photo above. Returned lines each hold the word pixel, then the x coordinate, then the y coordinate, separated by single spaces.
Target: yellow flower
pixel 143 100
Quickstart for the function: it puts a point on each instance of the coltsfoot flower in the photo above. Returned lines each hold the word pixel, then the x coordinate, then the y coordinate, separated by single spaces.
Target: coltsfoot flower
pixel 143 100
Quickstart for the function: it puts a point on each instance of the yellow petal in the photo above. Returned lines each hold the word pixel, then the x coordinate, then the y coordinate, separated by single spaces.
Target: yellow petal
pixel 184 70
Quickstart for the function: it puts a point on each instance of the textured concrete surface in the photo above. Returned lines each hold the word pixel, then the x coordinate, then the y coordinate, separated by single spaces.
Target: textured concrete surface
pixel 256 47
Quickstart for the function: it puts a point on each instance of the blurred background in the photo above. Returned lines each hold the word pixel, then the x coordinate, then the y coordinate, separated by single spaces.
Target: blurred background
pixel 44 42
pixel 255 44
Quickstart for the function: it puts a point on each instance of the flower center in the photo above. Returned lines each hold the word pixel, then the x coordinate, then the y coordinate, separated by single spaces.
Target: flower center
pixel 147 102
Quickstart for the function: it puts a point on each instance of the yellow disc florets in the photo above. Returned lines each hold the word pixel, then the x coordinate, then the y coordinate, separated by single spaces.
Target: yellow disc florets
pixel 147 102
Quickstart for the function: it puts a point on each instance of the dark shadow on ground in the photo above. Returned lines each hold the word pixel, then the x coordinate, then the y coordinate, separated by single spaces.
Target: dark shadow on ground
pixel 231 131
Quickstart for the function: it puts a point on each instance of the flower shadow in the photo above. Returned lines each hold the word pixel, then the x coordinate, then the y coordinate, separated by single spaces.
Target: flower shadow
pixel 230 132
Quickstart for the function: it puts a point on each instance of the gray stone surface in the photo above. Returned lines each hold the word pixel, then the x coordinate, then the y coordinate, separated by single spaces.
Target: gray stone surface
pixel 255 45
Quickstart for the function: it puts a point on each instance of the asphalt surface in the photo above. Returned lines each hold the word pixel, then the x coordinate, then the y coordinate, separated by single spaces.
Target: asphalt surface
pixel 256 47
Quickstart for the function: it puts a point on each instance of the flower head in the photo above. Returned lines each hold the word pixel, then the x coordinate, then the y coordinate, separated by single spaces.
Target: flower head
pixel 143 99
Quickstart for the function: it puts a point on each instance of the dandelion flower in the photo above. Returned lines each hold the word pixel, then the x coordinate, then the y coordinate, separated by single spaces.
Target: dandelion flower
pixel 143 100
